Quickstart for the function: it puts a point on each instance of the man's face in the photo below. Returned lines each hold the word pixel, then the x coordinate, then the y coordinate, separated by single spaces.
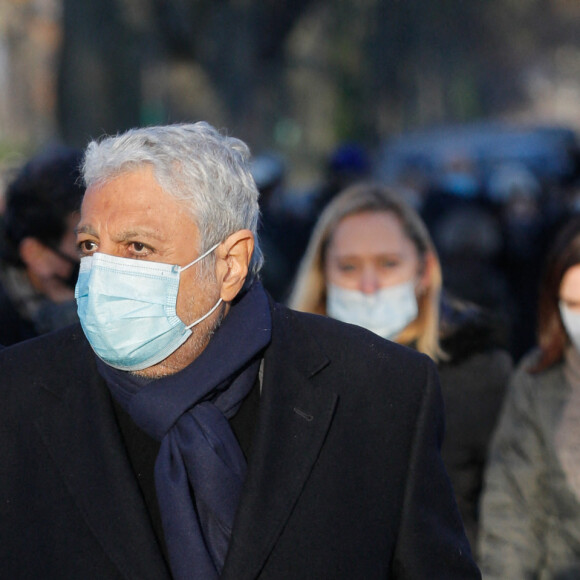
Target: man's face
pixel 132 217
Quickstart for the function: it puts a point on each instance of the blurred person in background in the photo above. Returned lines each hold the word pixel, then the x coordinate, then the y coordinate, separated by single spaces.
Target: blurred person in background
pixel 277 227
pixel 371 262
pixel 468 237
pixel 39 261
pixel 469 245
pixel 531 502
pixel 456 186
pixel 517 198
pixel 348 163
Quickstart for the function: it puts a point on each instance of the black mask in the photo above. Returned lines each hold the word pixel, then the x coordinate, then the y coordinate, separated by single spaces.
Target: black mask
pixel 71 280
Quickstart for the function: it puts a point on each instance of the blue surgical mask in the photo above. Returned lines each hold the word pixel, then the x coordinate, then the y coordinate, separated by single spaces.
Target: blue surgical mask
pixel 127 309
pixel 386 312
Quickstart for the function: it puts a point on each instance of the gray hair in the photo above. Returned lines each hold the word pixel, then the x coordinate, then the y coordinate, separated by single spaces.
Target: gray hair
pixel 194 163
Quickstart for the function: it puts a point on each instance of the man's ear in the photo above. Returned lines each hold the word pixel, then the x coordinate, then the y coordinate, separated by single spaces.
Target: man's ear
pixel 233 261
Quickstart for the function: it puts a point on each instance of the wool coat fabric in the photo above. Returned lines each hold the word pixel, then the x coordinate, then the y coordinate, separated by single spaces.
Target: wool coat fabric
pixel 473 391
pixel 345 479
pixel 13 326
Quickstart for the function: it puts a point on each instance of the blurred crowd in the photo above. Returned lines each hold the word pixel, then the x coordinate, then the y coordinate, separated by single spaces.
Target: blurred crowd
pixel 460 253
pixel 491 220
pixel 463 253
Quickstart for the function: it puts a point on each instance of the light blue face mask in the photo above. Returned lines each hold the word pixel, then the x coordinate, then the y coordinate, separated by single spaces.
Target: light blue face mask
pixel 386 312
pixel 127 309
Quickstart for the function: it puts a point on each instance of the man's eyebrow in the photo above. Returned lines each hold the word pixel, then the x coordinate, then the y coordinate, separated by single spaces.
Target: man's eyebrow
pixel 87 229
pixel 140 233
pixel 148 233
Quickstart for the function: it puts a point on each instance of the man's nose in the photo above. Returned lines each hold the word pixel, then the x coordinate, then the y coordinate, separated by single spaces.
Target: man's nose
pixel 369 281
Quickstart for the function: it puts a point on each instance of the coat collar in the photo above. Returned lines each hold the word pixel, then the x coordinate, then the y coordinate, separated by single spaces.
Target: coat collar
pixel 293 421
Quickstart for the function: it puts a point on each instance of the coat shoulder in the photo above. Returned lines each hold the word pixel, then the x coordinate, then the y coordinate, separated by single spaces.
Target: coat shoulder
pixel 49 364
pixel 360 362
pixel 53 352
pixel 331 333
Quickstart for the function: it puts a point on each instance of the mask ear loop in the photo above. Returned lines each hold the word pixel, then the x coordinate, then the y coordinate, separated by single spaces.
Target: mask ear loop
pixel 218 302
pixel 205 315
pixel 200 257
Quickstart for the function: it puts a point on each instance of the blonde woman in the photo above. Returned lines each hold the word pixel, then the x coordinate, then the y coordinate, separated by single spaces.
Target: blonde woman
pixel 371 262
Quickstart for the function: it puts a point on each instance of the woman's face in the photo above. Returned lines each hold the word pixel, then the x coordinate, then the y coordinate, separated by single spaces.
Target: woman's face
pixel 570 288
pixel 370 251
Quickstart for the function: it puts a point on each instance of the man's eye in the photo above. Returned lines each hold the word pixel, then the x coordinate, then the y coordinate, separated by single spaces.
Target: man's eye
pixel 87 246
pixel 139 248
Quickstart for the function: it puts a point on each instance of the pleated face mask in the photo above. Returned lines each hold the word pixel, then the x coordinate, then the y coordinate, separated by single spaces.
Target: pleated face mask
pixel 127 309
pixel 386 312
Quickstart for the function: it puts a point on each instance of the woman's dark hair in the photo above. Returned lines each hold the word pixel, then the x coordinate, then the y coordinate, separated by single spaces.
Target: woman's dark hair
pixel 44 193
pixel 563 254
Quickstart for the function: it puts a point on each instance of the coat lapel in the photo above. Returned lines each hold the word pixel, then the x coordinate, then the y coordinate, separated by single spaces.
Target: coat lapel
pixel 80 432
pixel 294 419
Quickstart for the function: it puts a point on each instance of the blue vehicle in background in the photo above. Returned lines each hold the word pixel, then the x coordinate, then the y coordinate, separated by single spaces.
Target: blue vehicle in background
pixel 549 152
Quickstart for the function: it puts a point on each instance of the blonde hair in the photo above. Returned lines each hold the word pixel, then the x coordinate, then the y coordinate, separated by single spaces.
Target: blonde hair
pixel 309 290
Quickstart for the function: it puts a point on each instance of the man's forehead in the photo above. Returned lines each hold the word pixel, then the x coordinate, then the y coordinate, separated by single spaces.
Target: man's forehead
pixel 136 190
pixel 133 205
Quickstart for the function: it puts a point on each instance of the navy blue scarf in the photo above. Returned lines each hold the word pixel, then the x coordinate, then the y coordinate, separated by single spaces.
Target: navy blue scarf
pixel 200 468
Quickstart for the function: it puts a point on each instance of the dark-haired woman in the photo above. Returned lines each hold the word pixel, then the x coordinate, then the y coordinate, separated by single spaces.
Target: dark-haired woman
pixel 530 520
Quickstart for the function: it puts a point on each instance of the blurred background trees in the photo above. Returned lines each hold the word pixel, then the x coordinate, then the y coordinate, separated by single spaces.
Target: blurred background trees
pixel 297 76
pixel 321 89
